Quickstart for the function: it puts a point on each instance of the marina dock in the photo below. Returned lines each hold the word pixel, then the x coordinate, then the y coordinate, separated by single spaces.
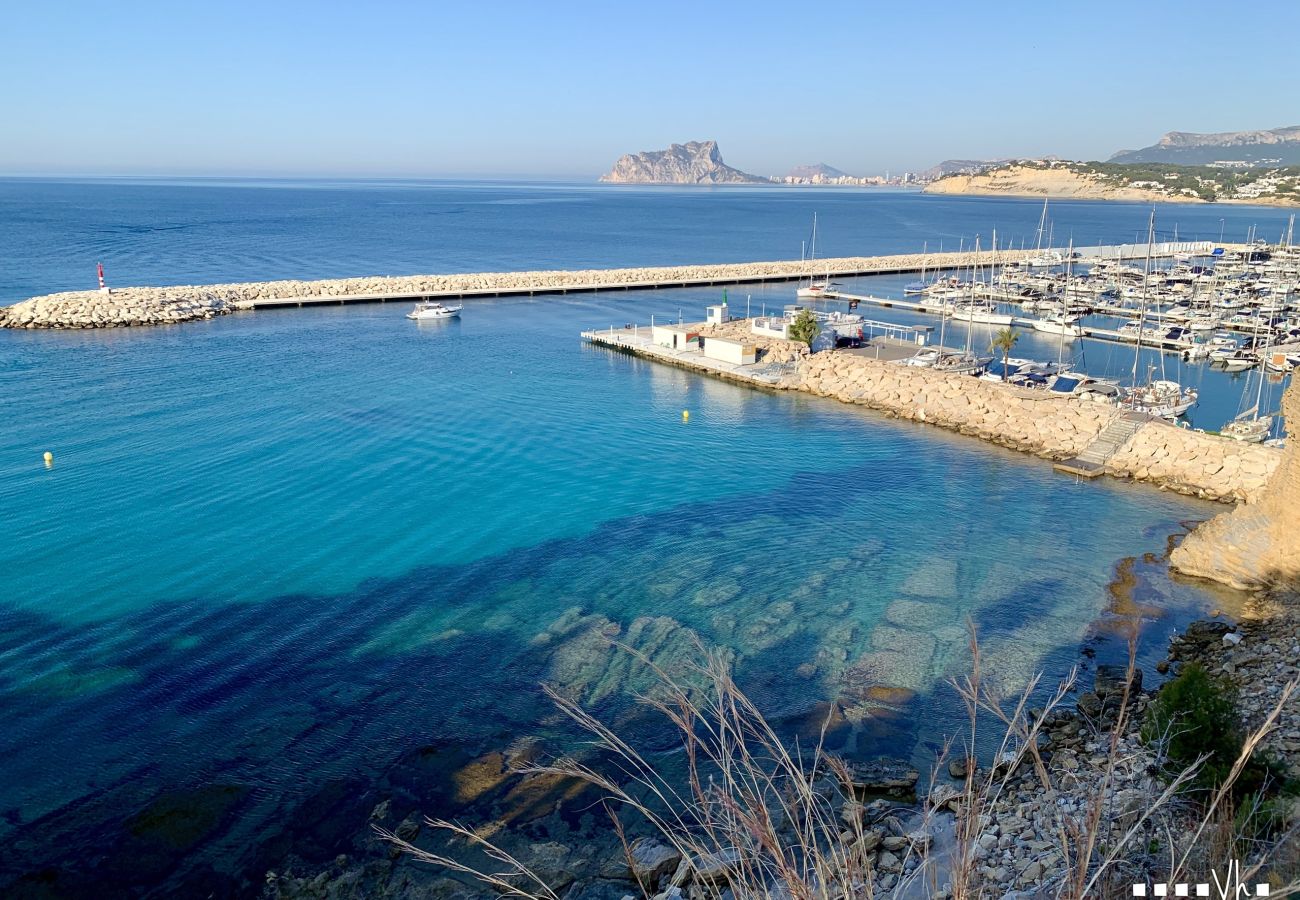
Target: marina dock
pixel 933 307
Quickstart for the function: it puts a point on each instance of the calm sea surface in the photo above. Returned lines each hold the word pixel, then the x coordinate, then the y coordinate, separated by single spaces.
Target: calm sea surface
pixel 280 553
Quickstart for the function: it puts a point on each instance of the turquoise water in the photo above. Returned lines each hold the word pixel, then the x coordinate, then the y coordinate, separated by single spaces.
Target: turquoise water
pixel 279 553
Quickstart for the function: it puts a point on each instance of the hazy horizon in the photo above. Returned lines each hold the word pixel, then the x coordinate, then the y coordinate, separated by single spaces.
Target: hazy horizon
pixel 515 91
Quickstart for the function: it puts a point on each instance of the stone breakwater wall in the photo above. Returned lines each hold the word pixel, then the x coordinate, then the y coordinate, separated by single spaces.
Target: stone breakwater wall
pixel 1257 544
pixel 163 305
pixel 119 309
pixel 1177 459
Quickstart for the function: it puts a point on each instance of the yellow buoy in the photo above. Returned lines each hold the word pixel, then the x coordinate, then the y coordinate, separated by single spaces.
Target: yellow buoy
pixel 49 459
pixel 686 415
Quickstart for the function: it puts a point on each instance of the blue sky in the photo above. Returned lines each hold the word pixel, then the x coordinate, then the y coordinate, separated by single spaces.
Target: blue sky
pixel 562 89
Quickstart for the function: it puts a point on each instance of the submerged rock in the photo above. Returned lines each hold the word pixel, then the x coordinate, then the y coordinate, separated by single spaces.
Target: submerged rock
pixel 893 777
pixel 650 860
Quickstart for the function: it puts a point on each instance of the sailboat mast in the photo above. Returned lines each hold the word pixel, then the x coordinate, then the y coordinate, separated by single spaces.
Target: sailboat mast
pixel 1146 281
pixel 1065 305
pixel 970 321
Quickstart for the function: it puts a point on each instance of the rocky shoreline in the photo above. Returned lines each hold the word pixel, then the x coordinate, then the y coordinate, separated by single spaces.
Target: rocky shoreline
pixel 1080 766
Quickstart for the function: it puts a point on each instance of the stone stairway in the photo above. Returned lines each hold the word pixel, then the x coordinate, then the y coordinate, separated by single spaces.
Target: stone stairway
pixel 1091 460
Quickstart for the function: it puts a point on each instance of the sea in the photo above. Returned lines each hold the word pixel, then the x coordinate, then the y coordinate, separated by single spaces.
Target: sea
pixel 296 572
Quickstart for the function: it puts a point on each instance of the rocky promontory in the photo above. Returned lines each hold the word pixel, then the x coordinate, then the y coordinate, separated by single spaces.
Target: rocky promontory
pixel 1018 180
pixel 1258 543
pixel 697 162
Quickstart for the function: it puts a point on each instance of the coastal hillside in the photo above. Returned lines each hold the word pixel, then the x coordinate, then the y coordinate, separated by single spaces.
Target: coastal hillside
pixel 696 162
pixel 1270 147
pixel 1110 181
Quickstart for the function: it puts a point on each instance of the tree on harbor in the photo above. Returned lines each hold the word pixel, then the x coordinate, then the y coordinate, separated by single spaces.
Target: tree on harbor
pixel 1003 341
pixel 805 327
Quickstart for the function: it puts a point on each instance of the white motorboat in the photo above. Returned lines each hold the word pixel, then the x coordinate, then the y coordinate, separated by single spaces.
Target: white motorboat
pixel 1238 361
pixel 1059 324
pixel 431 310
pixel 1084 387
pixel 1221 346
pixel 984 313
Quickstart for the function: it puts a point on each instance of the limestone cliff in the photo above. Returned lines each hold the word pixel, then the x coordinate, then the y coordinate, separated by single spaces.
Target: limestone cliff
pixel 698 162
pixel 1037 181
pixel 1258 543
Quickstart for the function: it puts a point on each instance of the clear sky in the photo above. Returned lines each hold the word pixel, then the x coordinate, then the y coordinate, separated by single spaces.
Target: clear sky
pixel 561 89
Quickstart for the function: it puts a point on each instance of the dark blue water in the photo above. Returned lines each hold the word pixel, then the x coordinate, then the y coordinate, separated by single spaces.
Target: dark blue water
pixel 288 565
pixel 168 232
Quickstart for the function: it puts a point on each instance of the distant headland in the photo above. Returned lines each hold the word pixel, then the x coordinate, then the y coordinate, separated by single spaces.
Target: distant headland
pixel 1258 167
pixel 696 162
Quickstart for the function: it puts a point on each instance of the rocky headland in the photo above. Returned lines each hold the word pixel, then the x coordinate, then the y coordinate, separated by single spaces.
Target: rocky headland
pixel 1164 183
pixel 696 162
pixel 1258 543
pixel 1019 180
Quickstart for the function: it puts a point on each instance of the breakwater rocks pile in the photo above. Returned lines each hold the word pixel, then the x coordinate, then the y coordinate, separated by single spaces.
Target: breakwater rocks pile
pixel 1257 544
pixel 164 305
pixel 1185 461
pixel 118 309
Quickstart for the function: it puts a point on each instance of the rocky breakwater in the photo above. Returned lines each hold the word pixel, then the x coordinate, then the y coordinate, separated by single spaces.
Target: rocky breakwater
pixel 1051 427
pixel 1178 459
pixel 1258 543
pixel 1193 462
pixel 165 305
pixel 118 309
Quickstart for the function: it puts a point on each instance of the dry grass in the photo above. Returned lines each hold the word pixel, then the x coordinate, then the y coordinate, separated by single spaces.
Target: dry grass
pixel 756 817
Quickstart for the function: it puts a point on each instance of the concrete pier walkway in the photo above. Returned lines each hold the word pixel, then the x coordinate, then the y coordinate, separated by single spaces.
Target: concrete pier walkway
pixel 165 305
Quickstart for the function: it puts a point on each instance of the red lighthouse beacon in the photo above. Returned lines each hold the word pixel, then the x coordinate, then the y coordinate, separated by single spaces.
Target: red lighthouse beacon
pixel 103 288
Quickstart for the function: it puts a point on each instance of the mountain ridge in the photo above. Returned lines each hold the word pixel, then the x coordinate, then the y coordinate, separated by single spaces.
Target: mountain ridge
pixel 1269 146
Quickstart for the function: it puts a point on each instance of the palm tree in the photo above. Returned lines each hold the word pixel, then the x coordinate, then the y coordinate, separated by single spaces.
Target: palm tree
pixel 804 327
pixel 1003 341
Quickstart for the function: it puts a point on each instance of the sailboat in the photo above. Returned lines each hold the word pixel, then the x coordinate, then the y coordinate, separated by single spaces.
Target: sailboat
pixel 918 287
pixel 815 289
pixel 1249 426
pixel 1164 398
pixel 1061 322
pixel 1043 259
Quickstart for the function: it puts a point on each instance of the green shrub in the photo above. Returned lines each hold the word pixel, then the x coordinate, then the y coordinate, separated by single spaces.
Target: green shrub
pixel 805 327
pixel 1197 716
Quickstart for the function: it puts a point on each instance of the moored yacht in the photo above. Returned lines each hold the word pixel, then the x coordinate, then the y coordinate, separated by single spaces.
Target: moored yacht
pixel 985 313
pixel 430 310
pixel 1163 398
pixel 816 289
